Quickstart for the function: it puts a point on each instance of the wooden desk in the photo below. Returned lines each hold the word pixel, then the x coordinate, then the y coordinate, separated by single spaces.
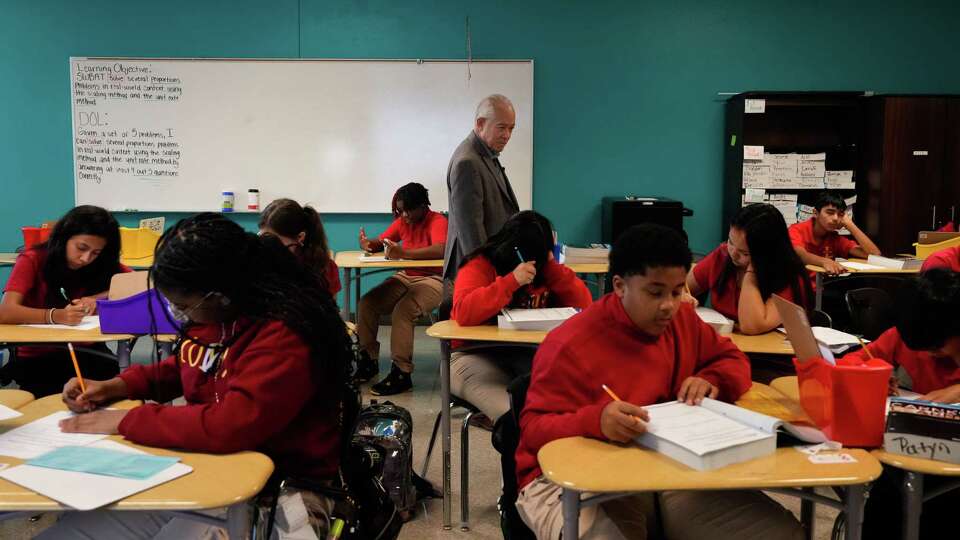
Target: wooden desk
pixel 446 331
pixel 354 268
pixel 14 334
pixel 819 272
pixel 772 342
pixel 914 470
pixel 8 259
pixel 15 398
pixel 217 481
pixel 604 470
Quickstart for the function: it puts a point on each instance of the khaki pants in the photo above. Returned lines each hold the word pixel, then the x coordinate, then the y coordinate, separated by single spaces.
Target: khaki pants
pixel 406 299
pixel 481 376
pixel 686 515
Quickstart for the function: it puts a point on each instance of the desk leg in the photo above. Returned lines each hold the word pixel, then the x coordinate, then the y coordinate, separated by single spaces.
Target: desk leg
pixel 807 516
pixel 912 492
pixel 123 353
pixel 854 501
pixel 601 284
pixel 819 294
pixel 445 428
pixel 345 310
pixel 356 283
pixel 571 513
pixel 239 521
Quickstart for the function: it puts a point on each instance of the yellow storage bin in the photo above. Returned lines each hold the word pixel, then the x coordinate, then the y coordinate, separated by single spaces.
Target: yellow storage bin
pixel 137 243
pixel 925 250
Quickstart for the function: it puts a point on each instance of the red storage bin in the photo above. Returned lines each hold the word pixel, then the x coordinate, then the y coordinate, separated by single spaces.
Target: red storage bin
pixel 34 235
pixel 846 401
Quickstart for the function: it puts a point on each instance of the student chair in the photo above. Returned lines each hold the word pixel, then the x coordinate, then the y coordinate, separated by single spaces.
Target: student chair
pixel 871 311
pixel 506 439
pixel 820 318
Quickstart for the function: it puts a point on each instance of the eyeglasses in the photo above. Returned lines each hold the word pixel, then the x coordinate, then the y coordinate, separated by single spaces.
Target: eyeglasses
pixel 183 315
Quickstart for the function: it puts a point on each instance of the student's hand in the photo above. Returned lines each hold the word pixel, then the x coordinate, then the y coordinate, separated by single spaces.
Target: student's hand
pixel 88 303
pixel 364 241
pixel 71 315
pixel 689 299
pixel 893 386
pixel 98 393
pixel 392 250
pixel 694 389
pixel 833 268
pixel 621 421
pixel 949 394
pixel 525 272
pixel 846 221
pixel 106 422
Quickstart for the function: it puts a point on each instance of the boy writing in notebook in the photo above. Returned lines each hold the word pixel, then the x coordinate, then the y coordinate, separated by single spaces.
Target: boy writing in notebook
pixel 649 346
pixel 817 241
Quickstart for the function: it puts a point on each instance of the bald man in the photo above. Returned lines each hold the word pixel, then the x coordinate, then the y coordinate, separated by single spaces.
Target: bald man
pixel 479 194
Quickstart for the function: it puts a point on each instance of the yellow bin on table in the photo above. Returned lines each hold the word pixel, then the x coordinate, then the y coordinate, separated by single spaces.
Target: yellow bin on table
pixel 925 250
pixel 137 243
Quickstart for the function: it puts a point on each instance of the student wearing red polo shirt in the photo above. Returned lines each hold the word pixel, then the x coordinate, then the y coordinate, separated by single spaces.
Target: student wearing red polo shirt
pixel 261 363
pixel 515 268
pixel 59 282
pixel 756 262
pixel 299 229
pixel 650 346
pixel 416 233
pixel 817 241
pixel 945 258
pixel 926 343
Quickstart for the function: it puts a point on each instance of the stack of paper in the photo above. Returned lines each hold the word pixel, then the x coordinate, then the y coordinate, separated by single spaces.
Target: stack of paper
pixel 90 322
pixel 835 340
pixel 534 319
pixel 785 171
pixel 575 255
pixel 897 264
pixel 715 319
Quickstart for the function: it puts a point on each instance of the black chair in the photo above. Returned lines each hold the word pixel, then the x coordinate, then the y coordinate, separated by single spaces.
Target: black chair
pixel 871 311
pixel 506 439
pixel 820 318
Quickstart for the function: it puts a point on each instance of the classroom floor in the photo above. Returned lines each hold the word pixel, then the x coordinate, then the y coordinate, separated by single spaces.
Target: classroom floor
pixel 423 403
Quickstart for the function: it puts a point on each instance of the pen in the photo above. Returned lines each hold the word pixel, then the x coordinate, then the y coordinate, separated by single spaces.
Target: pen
pixel 519 256
pixel 63 293
pixel 76 367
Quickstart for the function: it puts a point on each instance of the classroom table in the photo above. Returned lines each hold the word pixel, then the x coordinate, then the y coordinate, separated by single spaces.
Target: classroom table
pixel 354 268
pixel 819 273
pixel 592 471
pixel 142 263
pixel 8 259
pixel 449 330
pixel 14 399
pixel 17 335
pixel 217 481
pixel 914 470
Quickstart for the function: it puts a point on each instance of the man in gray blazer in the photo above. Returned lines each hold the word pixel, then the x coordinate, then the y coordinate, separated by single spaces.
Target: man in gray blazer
pixel 479 194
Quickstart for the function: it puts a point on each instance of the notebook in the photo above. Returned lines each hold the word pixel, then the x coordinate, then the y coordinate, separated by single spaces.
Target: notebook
pixel 544 319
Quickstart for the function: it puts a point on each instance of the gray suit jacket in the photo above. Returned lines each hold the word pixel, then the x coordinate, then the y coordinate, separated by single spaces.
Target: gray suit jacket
pixel 480 201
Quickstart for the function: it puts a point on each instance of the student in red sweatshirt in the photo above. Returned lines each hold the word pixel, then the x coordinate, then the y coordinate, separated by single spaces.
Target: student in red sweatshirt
pixel 817 241
pixel 515 268
pixel 299 229
pixel 756 262
pixel 261 363
pixel 59 282
pixel 945 258
pixel 650 346
pixel 416 233
pixel 926 343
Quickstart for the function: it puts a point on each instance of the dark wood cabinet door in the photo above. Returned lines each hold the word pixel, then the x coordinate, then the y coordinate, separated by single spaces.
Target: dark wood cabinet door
pixel 948 200
pixel 913 166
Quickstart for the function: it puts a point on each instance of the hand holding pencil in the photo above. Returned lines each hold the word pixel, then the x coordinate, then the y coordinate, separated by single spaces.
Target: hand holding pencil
pixel 621 421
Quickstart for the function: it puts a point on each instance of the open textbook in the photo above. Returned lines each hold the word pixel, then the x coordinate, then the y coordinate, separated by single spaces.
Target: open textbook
pixel 715 434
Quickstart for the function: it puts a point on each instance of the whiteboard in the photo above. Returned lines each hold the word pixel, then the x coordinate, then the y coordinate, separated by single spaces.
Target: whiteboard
pixel 342 135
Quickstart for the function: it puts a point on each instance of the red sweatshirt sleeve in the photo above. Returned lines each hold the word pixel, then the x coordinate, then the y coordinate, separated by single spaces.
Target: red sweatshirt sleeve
pixel 25 274
pixel 554 408
pixel 158 382
pixel 884 348
pixel 333 278
pixel 479 293
pixel 393 231
pixel 569 290
pixel 267 387
pixel 720 362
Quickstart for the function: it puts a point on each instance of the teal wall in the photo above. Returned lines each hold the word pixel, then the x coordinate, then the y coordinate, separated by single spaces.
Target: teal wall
pixel 625 91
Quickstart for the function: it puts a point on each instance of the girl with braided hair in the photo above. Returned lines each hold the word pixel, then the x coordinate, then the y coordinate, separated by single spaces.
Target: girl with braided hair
pixel 261 362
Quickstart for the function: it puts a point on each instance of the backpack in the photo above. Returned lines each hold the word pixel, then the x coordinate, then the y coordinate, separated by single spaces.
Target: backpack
pixel 383 432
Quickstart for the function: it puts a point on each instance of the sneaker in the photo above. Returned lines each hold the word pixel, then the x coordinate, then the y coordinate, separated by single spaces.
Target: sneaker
pixel 395 383
pixel 367 368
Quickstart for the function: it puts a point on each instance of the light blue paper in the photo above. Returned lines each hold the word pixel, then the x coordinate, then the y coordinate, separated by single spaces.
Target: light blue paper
pixel 106 462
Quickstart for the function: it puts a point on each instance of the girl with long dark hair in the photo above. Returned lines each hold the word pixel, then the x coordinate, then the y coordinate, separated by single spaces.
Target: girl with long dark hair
pixel 299 229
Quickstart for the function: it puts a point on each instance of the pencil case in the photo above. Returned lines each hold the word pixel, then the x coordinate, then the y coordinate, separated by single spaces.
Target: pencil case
pixel 847 400
pixel 143 313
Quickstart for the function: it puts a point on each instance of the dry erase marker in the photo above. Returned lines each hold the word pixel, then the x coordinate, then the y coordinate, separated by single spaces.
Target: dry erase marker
pixel 76 367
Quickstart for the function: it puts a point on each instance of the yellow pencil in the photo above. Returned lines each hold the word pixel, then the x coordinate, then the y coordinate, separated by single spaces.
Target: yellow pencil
pixel 615 398
pixel 76 367
pixel 864 345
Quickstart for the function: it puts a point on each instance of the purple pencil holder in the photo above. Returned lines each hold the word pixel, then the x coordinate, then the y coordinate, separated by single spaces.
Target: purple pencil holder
pixel 131 315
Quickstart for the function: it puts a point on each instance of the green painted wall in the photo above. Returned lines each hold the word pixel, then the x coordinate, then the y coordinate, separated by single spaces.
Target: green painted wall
pixel 625 92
